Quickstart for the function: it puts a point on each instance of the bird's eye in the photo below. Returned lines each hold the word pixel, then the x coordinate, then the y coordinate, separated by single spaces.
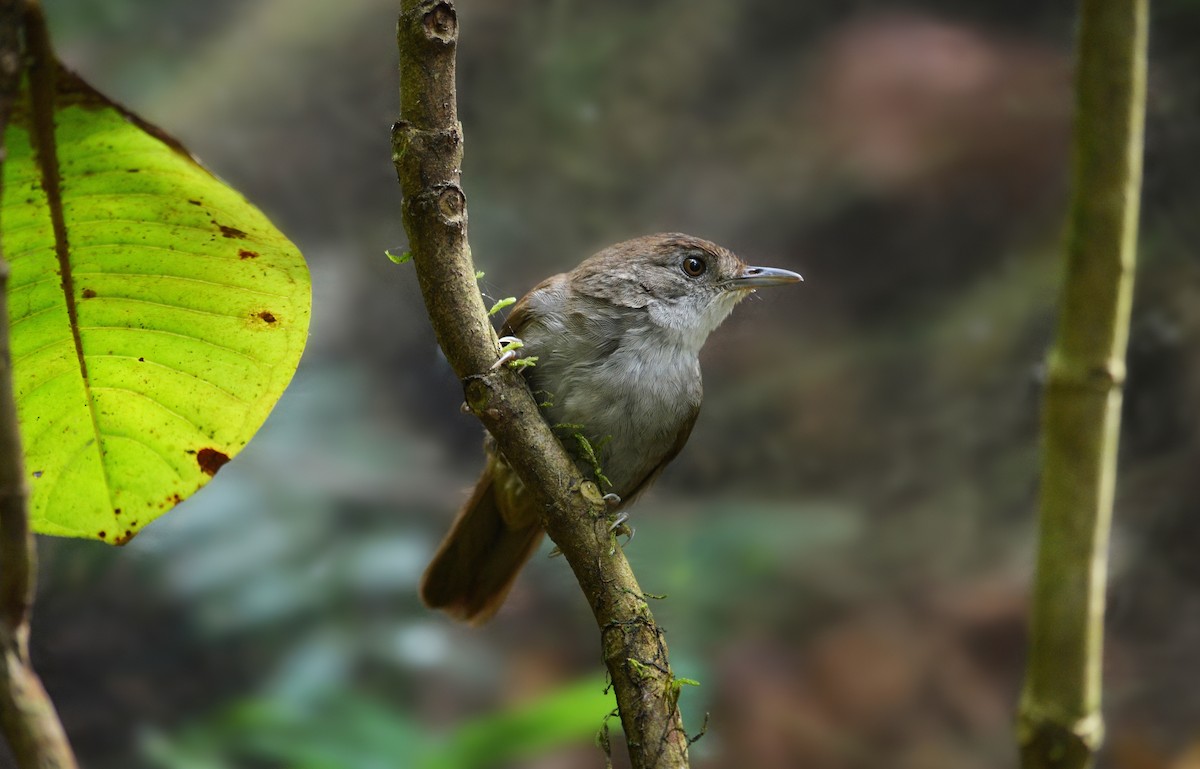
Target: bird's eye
pixel 694 266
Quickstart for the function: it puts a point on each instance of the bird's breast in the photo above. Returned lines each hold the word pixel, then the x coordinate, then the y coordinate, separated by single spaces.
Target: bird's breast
pixel 629 399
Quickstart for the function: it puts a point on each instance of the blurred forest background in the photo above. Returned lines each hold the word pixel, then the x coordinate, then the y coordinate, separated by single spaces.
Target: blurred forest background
pixel 846 542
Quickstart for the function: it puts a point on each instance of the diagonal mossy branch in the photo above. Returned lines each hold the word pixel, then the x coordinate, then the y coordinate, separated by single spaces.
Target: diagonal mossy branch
pixel 1059 720
pixel 27 715
pixel 427 150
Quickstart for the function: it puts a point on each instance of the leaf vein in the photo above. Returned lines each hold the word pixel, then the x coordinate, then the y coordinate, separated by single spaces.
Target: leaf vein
pixel 200 339
pixel 14 288
pixel 151 398
pixel 158 454
pixel 209 382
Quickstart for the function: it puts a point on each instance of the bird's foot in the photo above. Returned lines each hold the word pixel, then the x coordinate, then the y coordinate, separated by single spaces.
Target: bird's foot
pixel 509 347
pixel 620 527
pixel 508 350
pixel 612 500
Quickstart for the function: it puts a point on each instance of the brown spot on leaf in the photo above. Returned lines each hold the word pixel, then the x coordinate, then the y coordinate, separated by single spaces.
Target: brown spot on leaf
pixel 89 293
pixel 211 460
pixel 246 253
pixel 133 170
pixel 267 316
pixel 116 511
pixel 141 360
pixel 121 539
pixel 102 534
pixel 231 232
pixel 195 202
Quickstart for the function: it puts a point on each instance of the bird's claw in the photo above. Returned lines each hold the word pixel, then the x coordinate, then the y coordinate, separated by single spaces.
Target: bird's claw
pixel 612 500
pixel 505 357
pixel 619 528
pixel 508 350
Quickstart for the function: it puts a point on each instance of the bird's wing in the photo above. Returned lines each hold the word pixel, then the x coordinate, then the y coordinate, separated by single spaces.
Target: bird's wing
pixel 527 307
pixel 685 431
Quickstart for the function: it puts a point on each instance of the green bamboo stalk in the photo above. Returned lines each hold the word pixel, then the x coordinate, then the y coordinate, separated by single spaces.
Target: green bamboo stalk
pixel 1059 721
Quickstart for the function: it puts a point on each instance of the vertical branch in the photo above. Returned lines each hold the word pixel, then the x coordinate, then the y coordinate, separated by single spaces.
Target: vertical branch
pixel 1060 723
pixel 427 151
pixel 27 715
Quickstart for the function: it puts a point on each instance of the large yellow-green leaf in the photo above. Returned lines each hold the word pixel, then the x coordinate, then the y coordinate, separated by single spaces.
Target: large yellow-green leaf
pixel 152 337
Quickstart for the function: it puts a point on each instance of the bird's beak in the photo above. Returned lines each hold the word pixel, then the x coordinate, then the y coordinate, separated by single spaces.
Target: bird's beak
pixel 756 277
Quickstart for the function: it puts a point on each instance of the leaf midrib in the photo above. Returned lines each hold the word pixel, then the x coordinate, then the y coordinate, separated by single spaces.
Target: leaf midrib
pixel 42 72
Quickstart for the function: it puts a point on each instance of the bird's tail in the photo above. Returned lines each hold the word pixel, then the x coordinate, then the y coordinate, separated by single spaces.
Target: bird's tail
pixel 479 559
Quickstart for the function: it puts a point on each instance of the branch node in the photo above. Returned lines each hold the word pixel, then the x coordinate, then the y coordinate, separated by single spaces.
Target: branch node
pixel 441 24
pixel 1079 376
pixel 591 492
pixel 478 394
pixel 452 204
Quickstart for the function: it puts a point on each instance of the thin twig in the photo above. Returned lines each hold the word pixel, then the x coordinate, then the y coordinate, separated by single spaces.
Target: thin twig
pixel 427 150
pixel 27 715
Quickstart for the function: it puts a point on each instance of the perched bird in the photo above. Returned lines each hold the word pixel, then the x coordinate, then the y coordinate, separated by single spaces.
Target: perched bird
pixel 617 342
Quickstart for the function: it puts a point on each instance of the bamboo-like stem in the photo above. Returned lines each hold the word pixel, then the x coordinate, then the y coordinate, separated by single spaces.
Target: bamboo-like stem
pixel 1060 723
pixel 27 715
pixel 427 150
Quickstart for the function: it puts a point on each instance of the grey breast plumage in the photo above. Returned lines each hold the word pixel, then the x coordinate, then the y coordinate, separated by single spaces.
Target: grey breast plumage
pixel 593 370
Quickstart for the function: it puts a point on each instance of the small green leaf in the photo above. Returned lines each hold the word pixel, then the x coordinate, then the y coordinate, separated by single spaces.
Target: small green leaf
pixel 479 275
pixel 520 363
pixel 401 259
pixel 151 341
pixel 500 305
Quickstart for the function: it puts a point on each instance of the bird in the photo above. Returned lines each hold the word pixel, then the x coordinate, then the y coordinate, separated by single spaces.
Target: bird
pixel 615 347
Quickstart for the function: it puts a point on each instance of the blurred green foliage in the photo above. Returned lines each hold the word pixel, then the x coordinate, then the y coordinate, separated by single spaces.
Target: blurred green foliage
pixel 345 730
